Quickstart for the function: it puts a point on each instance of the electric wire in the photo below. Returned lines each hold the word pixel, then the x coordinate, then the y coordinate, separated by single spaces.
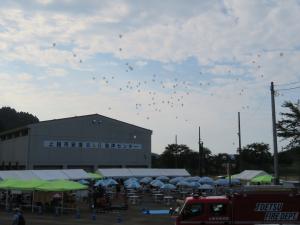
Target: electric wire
pixel 287 84
pixel 287 89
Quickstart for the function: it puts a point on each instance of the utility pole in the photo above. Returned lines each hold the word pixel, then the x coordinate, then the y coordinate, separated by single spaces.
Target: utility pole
pixel 276 175
pixel 200 155
pixel 240 142
pixel 176 152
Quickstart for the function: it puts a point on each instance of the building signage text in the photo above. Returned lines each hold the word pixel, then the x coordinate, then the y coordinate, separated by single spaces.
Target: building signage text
pixel 90 145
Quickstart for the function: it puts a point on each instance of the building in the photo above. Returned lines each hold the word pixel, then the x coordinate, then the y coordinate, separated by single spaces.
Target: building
pixel 87 142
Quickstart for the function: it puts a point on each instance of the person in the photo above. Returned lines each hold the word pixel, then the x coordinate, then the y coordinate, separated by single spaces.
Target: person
pixel 18 218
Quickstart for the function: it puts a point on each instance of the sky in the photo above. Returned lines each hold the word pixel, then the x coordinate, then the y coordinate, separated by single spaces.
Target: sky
pixel 169 66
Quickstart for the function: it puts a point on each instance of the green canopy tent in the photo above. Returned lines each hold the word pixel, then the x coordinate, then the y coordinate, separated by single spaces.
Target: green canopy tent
pixel 95 176
pixel 61 186
pixel 21 185
pixel 41 185
pixel 265 179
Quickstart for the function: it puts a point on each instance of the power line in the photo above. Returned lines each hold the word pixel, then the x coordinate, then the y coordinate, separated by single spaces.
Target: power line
pixel 287 84
pixel 287 89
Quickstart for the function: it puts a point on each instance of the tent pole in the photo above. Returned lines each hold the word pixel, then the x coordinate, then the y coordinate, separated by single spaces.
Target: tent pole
pixel 6 200
pixel 62 202
pixel 32 209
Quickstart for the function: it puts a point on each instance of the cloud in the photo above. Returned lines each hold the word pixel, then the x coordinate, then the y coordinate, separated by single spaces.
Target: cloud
pixel 24 77
pixel 56 72
pixel 141 63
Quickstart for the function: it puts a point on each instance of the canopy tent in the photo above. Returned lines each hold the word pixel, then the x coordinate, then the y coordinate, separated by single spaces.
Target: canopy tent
pixel 76 174
pixel 265 179
pixel 68 174
pixel 61 186
pixel 50 174
pixel 18 174
pixel 24 185
pixel 248 175
pixel 41 185
pixel 141 172
pixel 115 172
pixel 95 176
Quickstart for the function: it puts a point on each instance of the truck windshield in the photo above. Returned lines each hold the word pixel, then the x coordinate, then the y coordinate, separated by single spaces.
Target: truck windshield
pixel 192 210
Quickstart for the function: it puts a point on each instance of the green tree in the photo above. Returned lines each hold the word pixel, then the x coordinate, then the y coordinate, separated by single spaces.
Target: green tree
pixel 174 155
pixel 256 156
pixel 181 156
pixel 10 118
pixel 289 126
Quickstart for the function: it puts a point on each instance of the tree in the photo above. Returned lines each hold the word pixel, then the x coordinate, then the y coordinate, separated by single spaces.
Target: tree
pixel 10 118
pixel 289 126
pixel 181 156
pixel 256 156
pixel 175 155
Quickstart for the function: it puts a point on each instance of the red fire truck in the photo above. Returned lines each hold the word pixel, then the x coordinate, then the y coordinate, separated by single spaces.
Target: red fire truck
pixel 257 205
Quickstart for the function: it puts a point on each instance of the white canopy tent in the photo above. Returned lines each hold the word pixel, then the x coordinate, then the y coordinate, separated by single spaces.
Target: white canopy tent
pixel 248 175
pixel 17 174
pixel 141 172
pixel 71 174
pixel 76 174
pixel 50 174
pixel 115 172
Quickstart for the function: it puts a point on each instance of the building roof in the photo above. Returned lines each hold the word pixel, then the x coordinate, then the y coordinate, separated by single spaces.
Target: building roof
pixel 249 174
pixel 67 118
pixel 141 172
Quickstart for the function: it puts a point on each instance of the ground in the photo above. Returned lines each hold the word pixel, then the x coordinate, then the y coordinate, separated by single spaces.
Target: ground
pixel 132 216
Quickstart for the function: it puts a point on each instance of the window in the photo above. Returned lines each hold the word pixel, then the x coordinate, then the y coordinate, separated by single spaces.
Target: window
pixel 80 144
pixel 59 144
pixel 192 210
pixel 73 144
pixel 218 209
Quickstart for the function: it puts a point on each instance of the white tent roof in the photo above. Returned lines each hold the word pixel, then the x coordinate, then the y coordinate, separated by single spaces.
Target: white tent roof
pixel 115 172
pixel 67 174
pixel 26 175
pixel 250 174
pixel 50 174
pixel 8 175
pixel 17 174
pixel 142 172
pixel 76 174
pixel 175 173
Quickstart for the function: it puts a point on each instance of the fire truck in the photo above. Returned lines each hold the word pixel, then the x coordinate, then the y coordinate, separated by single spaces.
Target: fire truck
pixel 247 206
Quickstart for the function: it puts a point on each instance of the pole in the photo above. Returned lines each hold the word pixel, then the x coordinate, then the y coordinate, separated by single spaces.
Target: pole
pixel 239 133
pixel 240 141
pixel 200 155
pixel 176 152
pixel 276 175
